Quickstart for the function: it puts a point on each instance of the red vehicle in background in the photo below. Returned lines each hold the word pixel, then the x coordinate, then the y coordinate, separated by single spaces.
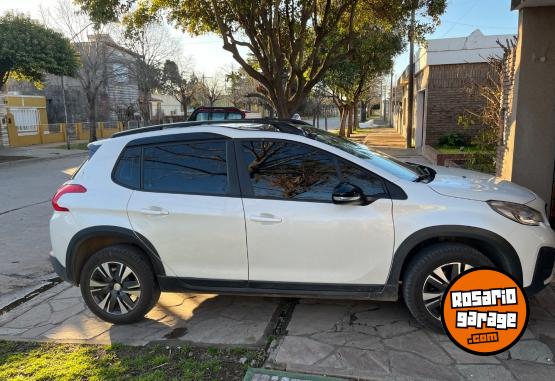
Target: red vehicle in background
pixel 217 113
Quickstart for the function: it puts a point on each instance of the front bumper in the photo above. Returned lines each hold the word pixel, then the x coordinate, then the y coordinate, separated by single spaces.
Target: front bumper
pixel 59 268
pixel 543 272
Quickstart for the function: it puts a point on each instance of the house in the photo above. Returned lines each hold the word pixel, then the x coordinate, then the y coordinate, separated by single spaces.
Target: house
pixel 165 107
pixel 27 113
pixel 119 96
pixel 526 155
pixel 444 70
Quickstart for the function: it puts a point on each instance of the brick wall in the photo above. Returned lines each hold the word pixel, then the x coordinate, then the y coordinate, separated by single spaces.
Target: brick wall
pixel 448 97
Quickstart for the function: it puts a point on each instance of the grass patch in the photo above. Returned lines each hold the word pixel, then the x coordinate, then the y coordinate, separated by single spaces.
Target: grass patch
pixel 48 361
pixel 465 149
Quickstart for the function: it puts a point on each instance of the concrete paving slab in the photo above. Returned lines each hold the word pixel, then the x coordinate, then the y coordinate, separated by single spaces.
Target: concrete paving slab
pixel 205 319
pixel 371 340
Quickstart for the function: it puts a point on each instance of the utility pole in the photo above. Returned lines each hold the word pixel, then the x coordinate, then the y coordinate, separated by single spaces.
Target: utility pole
pixel 391 99
pixel 410 97
pixel 65 111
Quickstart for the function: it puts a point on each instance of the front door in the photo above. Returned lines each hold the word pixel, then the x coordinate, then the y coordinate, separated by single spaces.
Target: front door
pixel 189 208
pixel 295 233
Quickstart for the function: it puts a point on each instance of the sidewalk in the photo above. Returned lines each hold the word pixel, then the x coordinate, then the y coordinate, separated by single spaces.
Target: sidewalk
pixel 381 341
pixel 9 156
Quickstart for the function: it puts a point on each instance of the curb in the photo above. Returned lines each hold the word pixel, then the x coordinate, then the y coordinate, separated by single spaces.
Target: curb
pixel 35 159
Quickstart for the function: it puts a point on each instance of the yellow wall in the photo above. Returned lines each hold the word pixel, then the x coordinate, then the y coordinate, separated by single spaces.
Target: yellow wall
pixel 29 101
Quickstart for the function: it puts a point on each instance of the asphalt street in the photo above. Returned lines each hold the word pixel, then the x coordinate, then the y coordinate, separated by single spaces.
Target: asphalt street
pixel 26 190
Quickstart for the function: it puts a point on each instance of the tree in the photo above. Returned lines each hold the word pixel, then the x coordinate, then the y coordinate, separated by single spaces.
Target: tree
pixel 179 83
pixel 211 90
pixel 294 42
pixel 351 80
pixel 28 50
pixel 152 44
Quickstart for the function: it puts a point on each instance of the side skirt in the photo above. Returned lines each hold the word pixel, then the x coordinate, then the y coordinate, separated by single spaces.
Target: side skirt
pixel 290 289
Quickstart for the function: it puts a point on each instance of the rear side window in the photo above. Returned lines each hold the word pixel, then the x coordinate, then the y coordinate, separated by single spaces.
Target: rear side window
pixel 128 168
pixel 193 167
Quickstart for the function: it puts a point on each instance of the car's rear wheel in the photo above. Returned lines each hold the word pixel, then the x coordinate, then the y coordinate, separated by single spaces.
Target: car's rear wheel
pixel 118 284
pixel 428 275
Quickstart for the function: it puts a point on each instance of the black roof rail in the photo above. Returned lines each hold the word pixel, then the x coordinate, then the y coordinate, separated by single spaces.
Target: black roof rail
pixel 282 125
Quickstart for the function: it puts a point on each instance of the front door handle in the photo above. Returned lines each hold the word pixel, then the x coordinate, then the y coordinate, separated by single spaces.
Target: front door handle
pixel 267 218
pixel 155 211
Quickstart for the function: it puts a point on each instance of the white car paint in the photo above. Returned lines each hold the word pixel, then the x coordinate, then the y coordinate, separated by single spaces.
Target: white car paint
pixel 224 238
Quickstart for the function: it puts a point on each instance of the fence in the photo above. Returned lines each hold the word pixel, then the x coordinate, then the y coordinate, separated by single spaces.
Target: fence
pixel 58 133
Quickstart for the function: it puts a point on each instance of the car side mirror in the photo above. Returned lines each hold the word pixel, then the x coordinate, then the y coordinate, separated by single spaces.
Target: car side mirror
pixel 347 193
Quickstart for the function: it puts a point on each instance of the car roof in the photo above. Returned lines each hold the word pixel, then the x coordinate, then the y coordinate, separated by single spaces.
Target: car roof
pixel 290 126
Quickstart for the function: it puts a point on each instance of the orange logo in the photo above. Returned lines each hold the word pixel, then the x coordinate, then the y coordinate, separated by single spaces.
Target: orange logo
pixel 484 311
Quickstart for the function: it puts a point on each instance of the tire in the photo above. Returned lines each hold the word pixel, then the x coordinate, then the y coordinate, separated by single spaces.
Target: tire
pixel 421 290
pixel 107 296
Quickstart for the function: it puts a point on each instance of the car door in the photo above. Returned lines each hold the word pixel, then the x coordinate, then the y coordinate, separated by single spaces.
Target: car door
pixel 295 233
pixel 188 207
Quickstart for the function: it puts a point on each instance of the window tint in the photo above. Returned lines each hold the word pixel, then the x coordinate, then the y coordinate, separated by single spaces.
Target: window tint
pixel 202 116
pixel 218 116
pixel 370 184
pixel 290 171
pixel 380 160
pixel 128 168
pixel 234 115
pixel 186 168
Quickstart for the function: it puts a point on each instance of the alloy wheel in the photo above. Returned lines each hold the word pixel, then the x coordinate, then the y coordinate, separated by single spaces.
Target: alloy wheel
pixel 436 283
pixel 114 287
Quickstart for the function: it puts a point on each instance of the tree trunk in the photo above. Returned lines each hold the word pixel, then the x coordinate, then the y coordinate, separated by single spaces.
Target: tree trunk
pixel 343 118
pixel 351 120
pixel 356 116
pixel 363 116
pixel 92 120
pixel 184 106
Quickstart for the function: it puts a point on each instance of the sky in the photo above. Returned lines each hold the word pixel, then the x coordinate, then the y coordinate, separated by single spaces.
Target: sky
pixel 460 19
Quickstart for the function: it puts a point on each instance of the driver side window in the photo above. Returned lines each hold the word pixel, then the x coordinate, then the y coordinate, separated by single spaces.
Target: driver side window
pixel 290 171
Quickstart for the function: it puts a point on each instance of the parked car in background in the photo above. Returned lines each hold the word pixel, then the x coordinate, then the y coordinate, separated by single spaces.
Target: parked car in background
pixel 178 207
pixel 217 113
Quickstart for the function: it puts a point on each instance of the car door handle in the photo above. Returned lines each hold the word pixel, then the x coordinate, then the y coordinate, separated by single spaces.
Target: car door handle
pixel 268 218
pixel 155 211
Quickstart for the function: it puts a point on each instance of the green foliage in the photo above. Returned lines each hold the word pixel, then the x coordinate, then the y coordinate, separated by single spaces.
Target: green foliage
pixel 485 142
pixel 453 140
pixel 29 50
pixel 183 86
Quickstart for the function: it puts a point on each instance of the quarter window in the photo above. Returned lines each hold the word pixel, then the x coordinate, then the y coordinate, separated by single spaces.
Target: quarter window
pixel 128 169
pixel 290 171
pixel 370 184
pixel 196 167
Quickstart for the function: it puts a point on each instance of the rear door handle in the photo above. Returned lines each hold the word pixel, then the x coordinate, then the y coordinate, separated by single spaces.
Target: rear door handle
pixel 155 211
pixel 268 218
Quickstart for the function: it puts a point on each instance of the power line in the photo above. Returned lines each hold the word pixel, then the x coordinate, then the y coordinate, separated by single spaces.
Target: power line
pixel 479 26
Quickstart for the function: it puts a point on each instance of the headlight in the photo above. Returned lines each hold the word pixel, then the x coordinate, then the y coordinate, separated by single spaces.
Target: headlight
pixel 517 212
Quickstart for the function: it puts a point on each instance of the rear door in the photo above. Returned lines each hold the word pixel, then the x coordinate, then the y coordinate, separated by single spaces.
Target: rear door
pixel 188 207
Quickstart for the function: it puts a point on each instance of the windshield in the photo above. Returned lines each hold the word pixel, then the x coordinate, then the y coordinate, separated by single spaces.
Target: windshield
pixel 385 162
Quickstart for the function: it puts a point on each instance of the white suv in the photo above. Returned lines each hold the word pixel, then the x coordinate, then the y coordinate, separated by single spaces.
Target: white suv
pixel 281 208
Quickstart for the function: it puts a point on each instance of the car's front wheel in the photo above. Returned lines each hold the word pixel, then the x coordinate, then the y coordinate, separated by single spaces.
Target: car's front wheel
pixel 428 275
pixel 118 284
